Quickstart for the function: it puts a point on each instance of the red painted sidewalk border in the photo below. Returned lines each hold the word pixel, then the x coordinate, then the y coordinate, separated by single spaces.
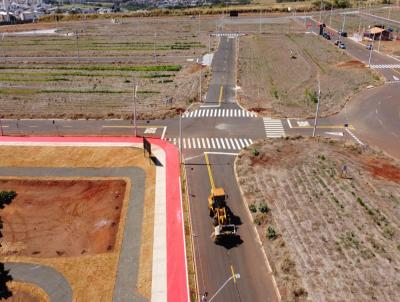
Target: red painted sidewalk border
pixel 177 283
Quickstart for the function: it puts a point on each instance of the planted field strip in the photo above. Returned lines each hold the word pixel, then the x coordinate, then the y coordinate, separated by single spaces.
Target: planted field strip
pixel 342 229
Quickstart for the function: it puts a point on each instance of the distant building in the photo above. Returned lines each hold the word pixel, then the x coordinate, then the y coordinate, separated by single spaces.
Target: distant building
pixel 378 33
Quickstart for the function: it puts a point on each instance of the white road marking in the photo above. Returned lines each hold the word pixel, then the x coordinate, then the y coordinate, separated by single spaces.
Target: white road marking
pixel 222 143
pixel 273 128
pixel 208 143
pixel 353 136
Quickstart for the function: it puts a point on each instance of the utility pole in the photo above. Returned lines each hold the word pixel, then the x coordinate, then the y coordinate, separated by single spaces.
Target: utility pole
pixel 1 128
pixel 380 39
pixel 320 12
pixel 209 43
pixel 317 111
pixel 77 43
pixel 135 86
pixel 234 277
pixel 199 24
pixel 330 17
pixel 201 67
pixel 154 47
pixel 370 52
pixel 180 137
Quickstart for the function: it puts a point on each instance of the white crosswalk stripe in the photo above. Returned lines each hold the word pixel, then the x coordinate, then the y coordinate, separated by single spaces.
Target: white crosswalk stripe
pixel 239 113
pixel 213 143
pixel 273 127
pixel 385 66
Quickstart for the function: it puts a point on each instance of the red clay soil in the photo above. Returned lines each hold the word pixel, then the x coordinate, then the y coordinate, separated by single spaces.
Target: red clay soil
pixel 351 64
pixel 61 217
pixel 385 170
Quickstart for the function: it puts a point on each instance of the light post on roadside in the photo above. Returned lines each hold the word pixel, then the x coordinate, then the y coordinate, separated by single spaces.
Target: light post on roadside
pixel 317 111
pixel 209 43
pixel 154 47
pixel 180 137
pixel 135 86
pixel 330 17
pixel 77 43
pixel 260 23
pixel 370 51
pixel 201 71
pixel 234 277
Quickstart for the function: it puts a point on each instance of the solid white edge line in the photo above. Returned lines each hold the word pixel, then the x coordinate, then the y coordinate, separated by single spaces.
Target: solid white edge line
pixel 289 123
pixel 259 240
pixel 222 153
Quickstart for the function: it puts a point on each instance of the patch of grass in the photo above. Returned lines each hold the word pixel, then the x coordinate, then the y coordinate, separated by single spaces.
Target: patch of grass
pixel 263 208
pixel 271 233
pixel 253 208
pixel 100 68
pixel 311 95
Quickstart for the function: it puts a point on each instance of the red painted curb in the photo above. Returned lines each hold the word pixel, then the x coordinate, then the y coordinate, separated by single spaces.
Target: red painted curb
pixel 177 285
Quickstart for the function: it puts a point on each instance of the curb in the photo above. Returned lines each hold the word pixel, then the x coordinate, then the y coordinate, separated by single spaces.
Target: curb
pixel 257 235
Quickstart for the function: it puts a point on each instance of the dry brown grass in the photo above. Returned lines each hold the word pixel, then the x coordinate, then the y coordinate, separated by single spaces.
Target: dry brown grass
pixel 338 233
pixel 92 278
pixel 26 292
pixel 274 83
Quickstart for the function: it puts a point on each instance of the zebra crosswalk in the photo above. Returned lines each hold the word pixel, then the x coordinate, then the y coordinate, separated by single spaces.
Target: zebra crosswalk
pixel 229 35
pixel 385 66
pixel 219 113
pixel 273 127
pixel 212 143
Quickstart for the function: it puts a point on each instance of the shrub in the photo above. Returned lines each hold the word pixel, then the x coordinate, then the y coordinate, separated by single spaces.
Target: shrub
pixel 252 208
pixel 263 208
pixel 271 233
pixel 6 197
pixel 255 152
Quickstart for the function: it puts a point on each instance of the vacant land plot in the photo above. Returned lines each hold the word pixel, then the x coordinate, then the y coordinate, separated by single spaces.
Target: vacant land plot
pixel 76 224
pixel 328 215
pixel 54 211
pixel 50 76
pixel 278 75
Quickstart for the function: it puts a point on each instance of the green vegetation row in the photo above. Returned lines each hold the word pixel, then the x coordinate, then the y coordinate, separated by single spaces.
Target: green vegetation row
pixel 100 68
pixel 11 76
pixel 29 91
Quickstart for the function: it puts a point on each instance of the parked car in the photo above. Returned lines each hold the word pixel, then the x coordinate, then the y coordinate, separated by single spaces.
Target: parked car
pixel 342 46
pixel 342 33
pixel 369 47
pixel 326 36
pixel 336 42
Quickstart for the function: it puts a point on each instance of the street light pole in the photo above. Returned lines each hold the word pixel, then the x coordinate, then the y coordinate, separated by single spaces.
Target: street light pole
pixel 371 50
pixel 201 67
pixel 317 111
pixel 330 17
pixel 260 22
pixel 154 47
pixel 180 137
pixel 236 276
pixel 134 104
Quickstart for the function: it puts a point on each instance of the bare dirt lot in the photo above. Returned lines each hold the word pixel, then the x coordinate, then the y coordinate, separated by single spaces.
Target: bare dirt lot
pixel 83 270
pixel 278 74
pixel 54 211
pixel 49 75
pixel 331 233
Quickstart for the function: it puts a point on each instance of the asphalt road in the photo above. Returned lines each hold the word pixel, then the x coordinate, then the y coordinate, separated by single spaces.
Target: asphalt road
pixel 244 255
pixel 373 115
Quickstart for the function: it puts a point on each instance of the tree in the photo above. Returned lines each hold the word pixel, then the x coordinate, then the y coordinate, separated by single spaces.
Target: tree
pixel 4 278
pixel 6 197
